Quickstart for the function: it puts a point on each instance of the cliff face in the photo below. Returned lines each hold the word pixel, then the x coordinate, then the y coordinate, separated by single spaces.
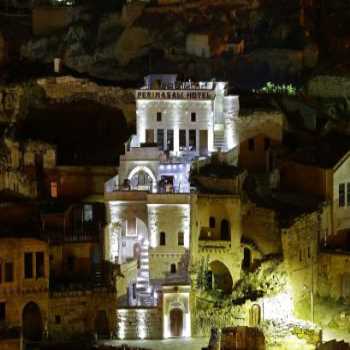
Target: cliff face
pixel 127 45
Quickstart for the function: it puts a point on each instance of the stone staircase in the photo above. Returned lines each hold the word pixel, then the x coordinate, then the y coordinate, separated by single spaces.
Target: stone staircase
pixel 219 140
pixel 143 289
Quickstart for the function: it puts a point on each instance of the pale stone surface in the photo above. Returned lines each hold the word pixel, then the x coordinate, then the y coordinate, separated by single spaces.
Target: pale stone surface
pixel 168 344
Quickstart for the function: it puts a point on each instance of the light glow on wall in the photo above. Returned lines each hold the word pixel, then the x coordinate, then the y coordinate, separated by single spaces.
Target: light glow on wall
pixel 279 307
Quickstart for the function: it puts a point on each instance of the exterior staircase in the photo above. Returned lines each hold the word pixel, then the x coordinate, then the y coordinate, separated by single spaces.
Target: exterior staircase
pixel 219 140
pixel 144 291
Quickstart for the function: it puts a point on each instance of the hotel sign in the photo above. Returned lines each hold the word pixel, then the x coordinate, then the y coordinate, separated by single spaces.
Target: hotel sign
pixel 174 95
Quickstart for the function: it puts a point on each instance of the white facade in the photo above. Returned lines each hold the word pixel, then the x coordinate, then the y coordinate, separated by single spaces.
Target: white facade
pixel 150 198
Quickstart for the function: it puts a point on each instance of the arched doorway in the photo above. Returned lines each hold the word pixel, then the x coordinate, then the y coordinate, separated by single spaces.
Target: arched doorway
pixel 221 277
pixel 225 230
pixel 142 179
pixel 101 324
pixel 255 315
pixel 176 322
pixel 32 324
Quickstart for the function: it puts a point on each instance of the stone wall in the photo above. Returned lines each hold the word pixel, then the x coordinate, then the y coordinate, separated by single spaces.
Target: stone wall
pixel 260 226
pixel 10 344
pixel 333 276
pixel 77 312
pixel 139 323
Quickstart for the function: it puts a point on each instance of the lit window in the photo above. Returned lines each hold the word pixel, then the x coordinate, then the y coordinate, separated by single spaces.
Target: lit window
pixel 341 195
pixel 192 140
pixel 53 189
pixel 193 116
pixel 182 139
pixel 88 213
pixel 180 239
pixel 160 138
pixel 251 145
pixel 159 116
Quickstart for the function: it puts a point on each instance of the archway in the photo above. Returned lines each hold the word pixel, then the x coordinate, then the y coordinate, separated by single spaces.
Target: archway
pixel 101 324
pixel 225 233
pixel 221 276
pixel 255 315
pixel 142 179
pixel 176 322
pixel 32 324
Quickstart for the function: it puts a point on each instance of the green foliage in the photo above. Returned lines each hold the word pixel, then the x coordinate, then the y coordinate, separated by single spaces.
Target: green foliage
pixel 274 89
pixel 202 274
pixel 267 279
pixel 210 315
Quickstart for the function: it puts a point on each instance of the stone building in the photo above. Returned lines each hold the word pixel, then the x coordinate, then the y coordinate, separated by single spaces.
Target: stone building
pixel 24 266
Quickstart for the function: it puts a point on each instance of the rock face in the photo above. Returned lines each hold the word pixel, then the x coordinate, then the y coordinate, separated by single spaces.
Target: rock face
pixel 68 89
pixel 327 86
pixel 125 46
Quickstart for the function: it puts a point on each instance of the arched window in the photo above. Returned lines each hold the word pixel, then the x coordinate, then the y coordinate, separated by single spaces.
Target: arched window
pixel 173 268
pixel 225 230
pixel 162 240
pixel 212 222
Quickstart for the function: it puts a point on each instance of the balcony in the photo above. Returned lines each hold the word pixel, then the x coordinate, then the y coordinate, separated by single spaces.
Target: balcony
pixel 213 246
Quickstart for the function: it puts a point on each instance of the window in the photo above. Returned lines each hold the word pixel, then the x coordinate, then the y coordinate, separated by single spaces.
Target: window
pixel 9 272
pixel 160 138
pixel 212 222
pixel 267 143
pixel 251 145
pixel 348 193
pixel 192 140
pixel 225 230
pixel 2 311
pixel 53 189
pixel 134 296
pixel 159 116
pixel 28 265
pixel 180 239
pixel 193 116
pixel 308 252
pixel 170 139
pixel 341 195
pixel 162 238
pixel 182 140
pixel 88 213
pixel 58 319
pixel 39 265
pixel 173 268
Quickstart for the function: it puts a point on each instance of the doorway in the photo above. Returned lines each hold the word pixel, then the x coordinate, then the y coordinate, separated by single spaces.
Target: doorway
pixel 176 322
pixel 32 323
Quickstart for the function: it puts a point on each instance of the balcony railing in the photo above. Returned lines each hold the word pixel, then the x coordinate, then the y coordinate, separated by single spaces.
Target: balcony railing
pixel 75 236
pixel 213 245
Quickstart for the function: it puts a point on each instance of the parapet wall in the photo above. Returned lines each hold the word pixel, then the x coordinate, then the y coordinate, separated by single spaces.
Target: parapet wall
pixel 139 323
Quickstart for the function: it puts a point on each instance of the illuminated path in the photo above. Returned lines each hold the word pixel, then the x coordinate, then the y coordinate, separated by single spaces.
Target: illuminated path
pixel 167 344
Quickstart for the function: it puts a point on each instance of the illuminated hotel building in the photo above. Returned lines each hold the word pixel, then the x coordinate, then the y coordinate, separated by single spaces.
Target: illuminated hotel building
pixel 150 199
